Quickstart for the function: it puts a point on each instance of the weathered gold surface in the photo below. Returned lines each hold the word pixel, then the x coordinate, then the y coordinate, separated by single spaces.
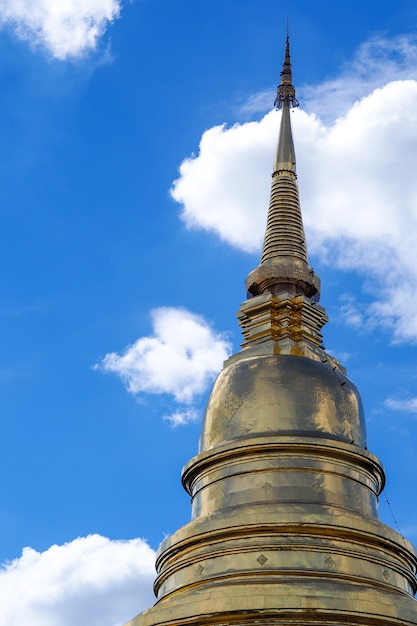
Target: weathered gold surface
pixel 292 323
pixel 284 492
pixel 282 396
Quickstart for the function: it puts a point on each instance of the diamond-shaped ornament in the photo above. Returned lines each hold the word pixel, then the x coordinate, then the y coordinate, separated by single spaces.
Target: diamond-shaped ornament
pixel 262 559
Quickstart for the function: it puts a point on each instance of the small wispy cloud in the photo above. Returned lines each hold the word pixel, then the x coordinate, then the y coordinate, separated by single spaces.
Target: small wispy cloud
pixel 378 61
pixel 182 417
pixel 256 103
pixel 350 311
pixel 343 357
pixel 180 359
pixel 404 405
pixel 66 29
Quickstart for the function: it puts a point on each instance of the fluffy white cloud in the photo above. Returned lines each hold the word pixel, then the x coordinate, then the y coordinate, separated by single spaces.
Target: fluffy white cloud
pixel 91 580
pixel 225 188
pixel 66 28
pixel 180 358
pixel 358 192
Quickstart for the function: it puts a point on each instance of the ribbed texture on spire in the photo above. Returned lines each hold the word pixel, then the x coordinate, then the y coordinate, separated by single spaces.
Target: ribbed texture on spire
pixel 284 230
pixel 284 258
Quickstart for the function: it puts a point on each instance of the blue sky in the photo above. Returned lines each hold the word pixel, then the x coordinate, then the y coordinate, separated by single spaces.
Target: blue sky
pixel 136 148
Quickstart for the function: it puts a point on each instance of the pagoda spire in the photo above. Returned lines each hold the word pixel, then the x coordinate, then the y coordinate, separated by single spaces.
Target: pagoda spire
pixel 284 263
pixel 285 99
pixel 284 492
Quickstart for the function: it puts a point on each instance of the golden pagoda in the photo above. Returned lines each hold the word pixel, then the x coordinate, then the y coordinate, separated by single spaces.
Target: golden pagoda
pixel 285 527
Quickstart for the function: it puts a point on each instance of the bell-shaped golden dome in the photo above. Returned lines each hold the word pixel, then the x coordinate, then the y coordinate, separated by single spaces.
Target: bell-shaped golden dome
pixel 282 395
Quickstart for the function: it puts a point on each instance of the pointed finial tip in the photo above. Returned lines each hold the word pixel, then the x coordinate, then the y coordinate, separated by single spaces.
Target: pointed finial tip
pixel 286 91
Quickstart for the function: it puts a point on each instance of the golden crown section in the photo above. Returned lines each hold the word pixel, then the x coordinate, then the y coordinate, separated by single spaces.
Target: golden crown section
pixel 285 324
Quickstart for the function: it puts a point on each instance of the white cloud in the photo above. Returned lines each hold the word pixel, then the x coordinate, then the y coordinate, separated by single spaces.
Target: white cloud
pixel 405 406
pixel 350 312
pixel 91 580
pixel 181 357
pixel 358 192
pixel 225 188
pixel 257 103
pixel 66 28
pixel 181 417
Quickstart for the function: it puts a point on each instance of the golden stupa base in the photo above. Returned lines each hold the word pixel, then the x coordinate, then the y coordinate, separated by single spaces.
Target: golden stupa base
pixel 335 568
pixel 307 604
